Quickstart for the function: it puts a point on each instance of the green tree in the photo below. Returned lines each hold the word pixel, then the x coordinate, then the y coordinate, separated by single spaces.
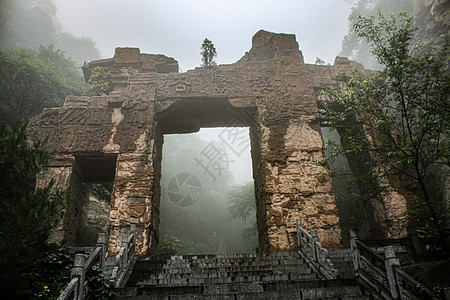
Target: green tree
pixel 31 80
pixel 242 207
pixel 319 61
pixel 71 80
pixel 398 120
pixel 27 212
pixel 99 83
pixel 208 53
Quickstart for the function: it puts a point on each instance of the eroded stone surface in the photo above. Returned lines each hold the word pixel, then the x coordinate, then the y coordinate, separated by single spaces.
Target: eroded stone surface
pixel 269 89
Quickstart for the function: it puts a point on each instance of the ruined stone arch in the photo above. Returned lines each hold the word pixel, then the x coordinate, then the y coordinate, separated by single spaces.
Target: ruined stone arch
pixel 270 89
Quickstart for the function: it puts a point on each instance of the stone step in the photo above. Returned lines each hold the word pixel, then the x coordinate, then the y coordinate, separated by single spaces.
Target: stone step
pixel 314 289
pixel 219 265
pixel 191 270
pixel 231 271
pixel 342 260
pixel 282 275
pixel 192 281
pixel 202 270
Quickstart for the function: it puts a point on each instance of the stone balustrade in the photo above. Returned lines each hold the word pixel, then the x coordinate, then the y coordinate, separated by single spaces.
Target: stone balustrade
pixel 123 263
pixel 313 252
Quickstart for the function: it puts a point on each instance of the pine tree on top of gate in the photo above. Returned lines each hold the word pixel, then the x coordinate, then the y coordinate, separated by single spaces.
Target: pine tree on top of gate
pixel 208 53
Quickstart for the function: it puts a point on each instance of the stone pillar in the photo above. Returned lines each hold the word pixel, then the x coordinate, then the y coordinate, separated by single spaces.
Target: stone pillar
pixel 315 238
pixel 79 272
pixel 291 145
pixel 299 240
pixel 129 203
pixel 353 246
pixel 391 261
pixel 101 242
pixel 132 197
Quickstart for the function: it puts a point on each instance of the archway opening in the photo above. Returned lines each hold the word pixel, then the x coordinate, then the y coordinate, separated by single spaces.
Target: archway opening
pixel 207 193
pixel 91 184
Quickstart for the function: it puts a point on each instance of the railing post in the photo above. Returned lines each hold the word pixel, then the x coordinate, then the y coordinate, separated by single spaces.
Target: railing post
pixel 101 242
pixel 133 232
pixel 391 261
pixel 133 241
pixel 124 258
pixel 355 253
pixel 315 238
pixel 79 272
pixel 447 292
pixel 299 238
pixel 416 242
pixel 124 242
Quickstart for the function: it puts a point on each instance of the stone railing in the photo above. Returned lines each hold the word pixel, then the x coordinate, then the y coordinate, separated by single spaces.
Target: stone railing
pixel 315 255
pixel 77 288
pixel 125 260
pixel 406 248
pixel 383 275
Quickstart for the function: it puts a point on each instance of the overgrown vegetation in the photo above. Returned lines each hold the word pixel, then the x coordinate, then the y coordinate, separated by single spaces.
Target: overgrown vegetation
pixel 99 83
pixel 97 286
pixel 32 267
pixel 208 53
pixel 27 212
pixel 242 207
pixel 49 273
pixel 31 80
pixel 397 121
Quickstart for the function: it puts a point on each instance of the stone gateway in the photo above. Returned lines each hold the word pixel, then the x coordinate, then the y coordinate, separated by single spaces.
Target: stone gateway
pixel 118 138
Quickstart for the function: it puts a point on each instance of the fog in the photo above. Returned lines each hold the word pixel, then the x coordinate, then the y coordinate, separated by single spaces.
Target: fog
pixel 177 28
pixel 201 176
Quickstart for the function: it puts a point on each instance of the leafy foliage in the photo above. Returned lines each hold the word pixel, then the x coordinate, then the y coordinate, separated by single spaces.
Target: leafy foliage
pixel 32 80
pixel 99 83
pixel 242 201
pixel 208 53
pixel 170 246
pixel 400 117
pixel 242 207
pixel 50 272
pixel 97 286
pixel 319 61
pixel 27 212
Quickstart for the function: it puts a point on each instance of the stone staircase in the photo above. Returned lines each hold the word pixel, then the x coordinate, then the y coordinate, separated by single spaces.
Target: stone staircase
pixel 342 260
pixel 313 272
pixel 282 275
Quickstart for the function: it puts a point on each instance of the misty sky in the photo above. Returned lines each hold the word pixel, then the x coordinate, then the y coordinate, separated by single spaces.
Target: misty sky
pixel 177 28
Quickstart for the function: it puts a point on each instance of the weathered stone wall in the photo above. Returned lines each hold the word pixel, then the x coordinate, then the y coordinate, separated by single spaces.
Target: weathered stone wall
pixel 269 89
pixel 119 123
